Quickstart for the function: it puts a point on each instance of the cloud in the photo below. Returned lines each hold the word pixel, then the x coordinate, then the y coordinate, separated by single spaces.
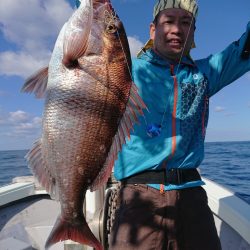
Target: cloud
pixel 21 63
pixel 219 109
pixel 29 23
pixel 28 128
pixel 18 116
pixel 32 26
pixel 230 114
pixel 224 111
pixel 135 45
pixel 19 123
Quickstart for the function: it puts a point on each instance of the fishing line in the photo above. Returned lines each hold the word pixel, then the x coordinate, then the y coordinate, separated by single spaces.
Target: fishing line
pixel 118 35
pixel 192 20
pixel 124 55
pixel 179 63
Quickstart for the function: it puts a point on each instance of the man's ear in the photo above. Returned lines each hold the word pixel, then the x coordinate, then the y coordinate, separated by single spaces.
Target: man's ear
pixel 152 31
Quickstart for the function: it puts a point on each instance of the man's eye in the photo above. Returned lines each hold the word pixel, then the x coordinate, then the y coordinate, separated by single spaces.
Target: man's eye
pixel 168 22
pixel 186 23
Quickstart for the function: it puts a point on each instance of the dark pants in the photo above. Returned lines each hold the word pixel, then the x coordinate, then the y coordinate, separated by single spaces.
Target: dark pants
pixel 175 220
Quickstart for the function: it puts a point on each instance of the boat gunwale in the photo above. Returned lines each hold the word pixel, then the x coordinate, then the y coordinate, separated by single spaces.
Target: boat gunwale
pixel 224 203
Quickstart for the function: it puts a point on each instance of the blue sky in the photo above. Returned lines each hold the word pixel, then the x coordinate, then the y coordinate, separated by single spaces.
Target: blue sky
pixel 28 29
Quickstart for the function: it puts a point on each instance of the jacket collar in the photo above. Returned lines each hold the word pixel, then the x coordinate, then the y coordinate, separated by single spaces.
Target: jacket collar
pixel 150 56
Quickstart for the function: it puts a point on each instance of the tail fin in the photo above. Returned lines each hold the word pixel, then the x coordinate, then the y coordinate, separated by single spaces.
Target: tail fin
pixel 79 232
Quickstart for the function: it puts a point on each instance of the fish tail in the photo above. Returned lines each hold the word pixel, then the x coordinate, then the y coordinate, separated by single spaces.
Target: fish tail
pixel 78 232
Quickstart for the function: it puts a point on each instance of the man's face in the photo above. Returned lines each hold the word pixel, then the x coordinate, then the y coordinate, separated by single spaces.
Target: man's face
pixel 174 30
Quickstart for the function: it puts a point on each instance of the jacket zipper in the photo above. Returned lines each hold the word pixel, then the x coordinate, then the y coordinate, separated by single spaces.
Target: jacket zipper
pixel 174 110
pixel 173 122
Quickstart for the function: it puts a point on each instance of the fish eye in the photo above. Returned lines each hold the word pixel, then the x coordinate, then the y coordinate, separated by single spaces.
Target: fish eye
pixel 111 28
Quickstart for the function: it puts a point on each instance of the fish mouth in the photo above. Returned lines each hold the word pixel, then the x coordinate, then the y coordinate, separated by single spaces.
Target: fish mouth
pixel 102 1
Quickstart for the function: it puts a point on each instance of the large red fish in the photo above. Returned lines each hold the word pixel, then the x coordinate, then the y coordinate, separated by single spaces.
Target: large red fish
pixel 91 105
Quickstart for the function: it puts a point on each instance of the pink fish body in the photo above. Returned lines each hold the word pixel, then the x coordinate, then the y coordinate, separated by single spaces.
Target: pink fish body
pixel 91 105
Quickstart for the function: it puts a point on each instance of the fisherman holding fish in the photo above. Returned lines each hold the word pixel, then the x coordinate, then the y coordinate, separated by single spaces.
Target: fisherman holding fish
pixel 161 203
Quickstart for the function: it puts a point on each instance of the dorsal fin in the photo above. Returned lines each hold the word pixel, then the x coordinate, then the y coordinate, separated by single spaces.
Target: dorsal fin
pixel 134 107
pixel 37 83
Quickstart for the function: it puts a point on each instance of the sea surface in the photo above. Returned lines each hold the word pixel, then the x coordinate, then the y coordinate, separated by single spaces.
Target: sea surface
pixel 227 163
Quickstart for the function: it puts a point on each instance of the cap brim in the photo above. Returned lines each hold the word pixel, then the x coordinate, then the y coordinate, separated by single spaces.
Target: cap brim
pixel 148 45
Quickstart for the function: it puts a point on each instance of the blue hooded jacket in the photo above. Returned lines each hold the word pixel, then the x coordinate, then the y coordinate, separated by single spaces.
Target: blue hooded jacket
pixel 177 97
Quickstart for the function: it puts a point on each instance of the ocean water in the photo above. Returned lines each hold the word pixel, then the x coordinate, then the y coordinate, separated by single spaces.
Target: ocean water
pixel 12 164
pixel 227 163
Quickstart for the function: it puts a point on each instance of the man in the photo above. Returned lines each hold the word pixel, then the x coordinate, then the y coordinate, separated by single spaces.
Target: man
pixel 161 203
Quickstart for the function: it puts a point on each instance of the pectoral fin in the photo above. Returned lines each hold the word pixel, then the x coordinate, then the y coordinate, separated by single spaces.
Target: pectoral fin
pixel 77 34
pixel 37 83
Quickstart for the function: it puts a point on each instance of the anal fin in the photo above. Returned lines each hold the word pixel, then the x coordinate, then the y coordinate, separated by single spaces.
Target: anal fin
pixel 38 167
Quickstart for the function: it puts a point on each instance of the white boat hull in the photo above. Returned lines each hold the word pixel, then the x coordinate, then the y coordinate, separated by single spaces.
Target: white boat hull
pixel 27 215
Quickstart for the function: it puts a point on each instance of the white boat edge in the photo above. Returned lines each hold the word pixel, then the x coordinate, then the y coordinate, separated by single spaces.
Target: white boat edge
pixel 224 203
pixel 230 208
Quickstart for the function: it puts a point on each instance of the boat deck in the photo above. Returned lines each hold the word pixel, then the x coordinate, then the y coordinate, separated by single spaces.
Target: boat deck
pixel 27 215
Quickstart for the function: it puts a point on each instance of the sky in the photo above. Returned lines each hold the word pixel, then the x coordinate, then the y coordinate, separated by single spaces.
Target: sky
pixel 28 31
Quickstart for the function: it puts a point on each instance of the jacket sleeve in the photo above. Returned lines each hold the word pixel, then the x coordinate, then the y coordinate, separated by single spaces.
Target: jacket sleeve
pixel 225 67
